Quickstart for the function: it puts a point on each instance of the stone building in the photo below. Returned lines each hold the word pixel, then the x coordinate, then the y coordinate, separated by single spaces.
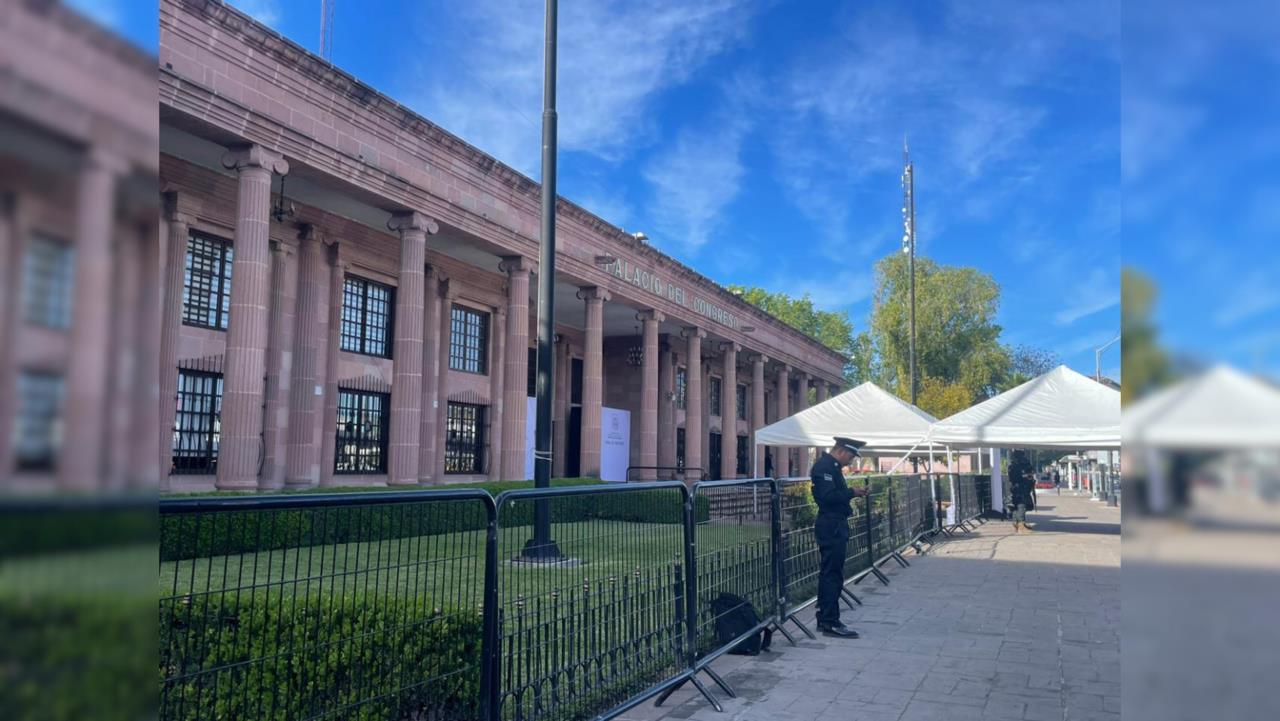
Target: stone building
pixel 346 297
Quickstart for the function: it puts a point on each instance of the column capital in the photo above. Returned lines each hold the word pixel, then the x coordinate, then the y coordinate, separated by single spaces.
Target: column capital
pixel 101 158
pixel 692 331
pixel 759 358
pixel 412 220
pixel 429 272
pixel 651 314
pixel 174 210
pixel 784 369
pixel 278 247
pixel 515 265
pixel 310 233
pixel 254 156
pixel 446 288
pixel 593 292
pixel 728 346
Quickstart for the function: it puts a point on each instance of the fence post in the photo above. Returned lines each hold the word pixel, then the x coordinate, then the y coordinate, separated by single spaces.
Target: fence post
pixel 888 494
pixel 775 548
pixel 490 654
pixel 691 583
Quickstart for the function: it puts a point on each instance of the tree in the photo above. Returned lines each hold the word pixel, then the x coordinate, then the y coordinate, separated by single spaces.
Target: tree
pixel 1144 364
pixel 831 328
pixel 957 339
pixel 941 399
pixel 1026 363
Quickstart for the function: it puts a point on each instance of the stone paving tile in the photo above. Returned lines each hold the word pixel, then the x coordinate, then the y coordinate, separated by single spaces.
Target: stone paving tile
pixel 987 625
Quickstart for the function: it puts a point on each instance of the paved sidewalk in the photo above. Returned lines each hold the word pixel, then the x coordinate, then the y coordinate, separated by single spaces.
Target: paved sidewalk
pixel 988 625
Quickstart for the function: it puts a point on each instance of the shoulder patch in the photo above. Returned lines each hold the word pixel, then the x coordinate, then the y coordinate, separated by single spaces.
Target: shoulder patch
pixel 827 477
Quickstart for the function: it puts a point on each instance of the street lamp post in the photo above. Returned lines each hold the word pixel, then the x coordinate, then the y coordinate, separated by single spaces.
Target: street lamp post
pixel 541 546
pixel 1097 357
pixel 909 248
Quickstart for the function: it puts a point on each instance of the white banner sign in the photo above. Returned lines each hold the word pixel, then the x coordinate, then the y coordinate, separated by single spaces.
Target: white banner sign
pixel 615 444
pixel 530 434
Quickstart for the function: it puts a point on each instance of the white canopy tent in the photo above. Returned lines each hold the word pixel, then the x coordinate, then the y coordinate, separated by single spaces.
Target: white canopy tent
pixel 1217 410
pixel 1061 409
pixel 868 413
pixel 1222 409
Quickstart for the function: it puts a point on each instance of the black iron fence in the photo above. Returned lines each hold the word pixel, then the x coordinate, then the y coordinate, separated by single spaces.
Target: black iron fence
pixel 971 498
pixel 429 606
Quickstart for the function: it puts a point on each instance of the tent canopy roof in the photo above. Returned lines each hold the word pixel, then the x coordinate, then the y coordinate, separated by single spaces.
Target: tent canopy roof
pixel 1060 409
pixel 1220 409
pixel 867 413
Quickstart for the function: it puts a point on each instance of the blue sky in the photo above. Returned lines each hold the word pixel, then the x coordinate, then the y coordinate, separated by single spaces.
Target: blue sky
pixel 761 141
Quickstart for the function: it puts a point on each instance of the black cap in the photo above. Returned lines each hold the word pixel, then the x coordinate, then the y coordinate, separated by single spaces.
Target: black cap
pixel 849 444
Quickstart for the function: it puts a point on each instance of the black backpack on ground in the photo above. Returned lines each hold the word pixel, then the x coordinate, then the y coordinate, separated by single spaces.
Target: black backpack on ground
pixel 735 616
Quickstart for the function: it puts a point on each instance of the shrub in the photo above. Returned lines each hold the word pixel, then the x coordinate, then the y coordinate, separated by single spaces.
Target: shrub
pixel 355 657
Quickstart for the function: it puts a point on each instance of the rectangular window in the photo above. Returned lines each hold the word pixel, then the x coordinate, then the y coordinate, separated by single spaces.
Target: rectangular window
pixel 742 402
pixel 464 442
pixel 206 286
pixel 197 423
pixel 682 388
pixel 680 448
pixel 469 341
pixel 533 372
pixel 714 393
pixel 38 427
pixel 362 432
pixel 46 283
pixel 366 317
pixel 742 455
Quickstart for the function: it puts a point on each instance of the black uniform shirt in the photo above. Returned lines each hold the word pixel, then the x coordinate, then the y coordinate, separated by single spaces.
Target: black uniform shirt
pixel 829 490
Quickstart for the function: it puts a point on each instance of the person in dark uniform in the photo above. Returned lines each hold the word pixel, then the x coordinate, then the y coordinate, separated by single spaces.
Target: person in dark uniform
pixel 1022 486
pixel 832 530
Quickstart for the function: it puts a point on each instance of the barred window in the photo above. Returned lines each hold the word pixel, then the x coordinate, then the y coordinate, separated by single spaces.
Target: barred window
pixel 680 448
pixel 714 392
pixel 742 402
pixel 197 425
pixel 366 317
pixel 464 442
pixel 682 388
pixel 47 282
pixel 206 286
pixel 38 428
pixel 469 341
pixel 362 432
pixel 742 455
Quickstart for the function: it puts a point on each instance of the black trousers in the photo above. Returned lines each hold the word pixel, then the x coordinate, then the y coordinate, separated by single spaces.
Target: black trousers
pixel 832 534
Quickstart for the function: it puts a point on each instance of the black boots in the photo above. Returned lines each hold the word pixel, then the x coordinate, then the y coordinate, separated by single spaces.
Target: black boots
pixel 838 630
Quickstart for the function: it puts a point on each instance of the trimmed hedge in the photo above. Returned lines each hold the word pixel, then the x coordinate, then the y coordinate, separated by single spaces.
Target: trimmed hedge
pixel 374 658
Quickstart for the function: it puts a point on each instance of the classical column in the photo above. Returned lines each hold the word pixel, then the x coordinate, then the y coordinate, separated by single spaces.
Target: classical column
pixel 820 392
pixel 123 357
pixel 649 391
pixel 666 406
pixel 430 376
pixel 144 471
pixel 497 396
pixel 757 409
pixel 802 403
pixel 782 455
pixel 406 380
pixel 704 403
pixel 12 242
pixel 241 447
pixel 442 376
pixel 693 428
pixel 179 230
pixel 560 408
pixel 271 476
pixel 729 412
pixel 592 379
pixel 516 365
pixel 333 345
pixel 309 338
pixel 84 411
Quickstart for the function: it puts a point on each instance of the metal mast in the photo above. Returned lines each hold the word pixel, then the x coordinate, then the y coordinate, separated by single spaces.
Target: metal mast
pixel 909 248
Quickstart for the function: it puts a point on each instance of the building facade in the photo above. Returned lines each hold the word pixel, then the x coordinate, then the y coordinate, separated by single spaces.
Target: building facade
pixel 347 297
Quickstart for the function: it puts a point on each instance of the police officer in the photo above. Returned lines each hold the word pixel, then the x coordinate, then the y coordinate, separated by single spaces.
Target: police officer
pixel 832 530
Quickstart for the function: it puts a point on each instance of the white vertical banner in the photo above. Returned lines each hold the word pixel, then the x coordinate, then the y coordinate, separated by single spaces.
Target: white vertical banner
pixel 997 482
pixel 615 444
pixel 530 435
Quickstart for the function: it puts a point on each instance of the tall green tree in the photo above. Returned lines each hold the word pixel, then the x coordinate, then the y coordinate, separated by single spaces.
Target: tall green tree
pixel 831 328
pixel 1144 364
pixel 957 338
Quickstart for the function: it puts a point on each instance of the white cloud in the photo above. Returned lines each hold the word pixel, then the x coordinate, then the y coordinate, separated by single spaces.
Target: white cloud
pixel 614 58
pixel 694 179
pixel 267 12
pixel 1097 292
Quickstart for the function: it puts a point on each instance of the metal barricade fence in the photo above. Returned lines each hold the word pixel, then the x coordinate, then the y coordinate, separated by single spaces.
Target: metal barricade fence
pixel 983 486
pixel 606 622
pixel 336 606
